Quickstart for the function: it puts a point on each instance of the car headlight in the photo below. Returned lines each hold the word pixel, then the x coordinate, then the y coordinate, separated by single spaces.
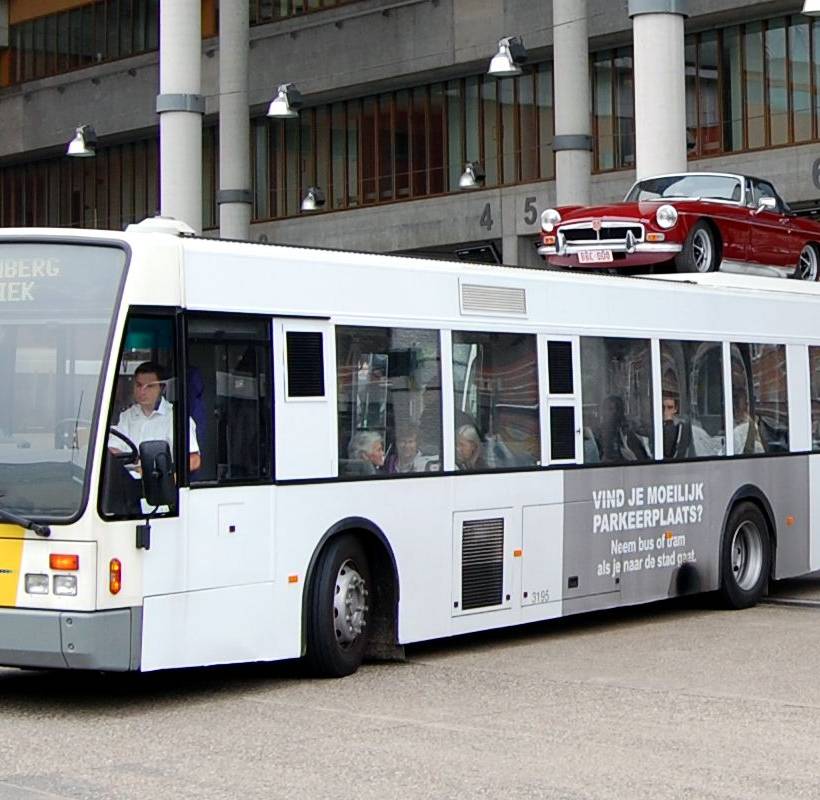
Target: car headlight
pixel 549 219
pixel 666 217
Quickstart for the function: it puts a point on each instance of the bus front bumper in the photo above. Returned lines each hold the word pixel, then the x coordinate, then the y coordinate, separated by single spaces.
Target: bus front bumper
pixel 98 640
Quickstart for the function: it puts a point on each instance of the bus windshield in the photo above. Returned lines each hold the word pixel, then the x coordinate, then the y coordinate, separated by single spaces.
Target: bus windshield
pixel 56 307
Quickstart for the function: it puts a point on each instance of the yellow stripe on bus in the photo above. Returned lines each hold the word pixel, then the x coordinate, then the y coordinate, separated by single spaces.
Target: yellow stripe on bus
pixel 11 554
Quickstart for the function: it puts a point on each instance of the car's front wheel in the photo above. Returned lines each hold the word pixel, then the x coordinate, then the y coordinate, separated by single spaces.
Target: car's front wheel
pixel 700 252
pixel 808 265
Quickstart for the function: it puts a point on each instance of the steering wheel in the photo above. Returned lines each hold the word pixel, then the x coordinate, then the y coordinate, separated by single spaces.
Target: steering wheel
pixel 130 457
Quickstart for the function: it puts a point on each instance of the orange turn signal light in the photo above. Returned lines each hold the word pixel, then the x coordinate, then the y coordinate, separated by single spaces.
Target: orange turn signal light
pixel 655 237
pixel 790 520
pixel 518 552
pixel 114 576
pixel 62 561
pixel 547 239
pixel 293 579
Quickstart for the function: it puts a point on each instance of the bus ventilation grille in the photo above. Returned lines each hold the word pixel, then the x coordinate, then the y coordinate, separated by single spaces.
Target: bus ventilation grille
pixel 482 563
pixel 492 299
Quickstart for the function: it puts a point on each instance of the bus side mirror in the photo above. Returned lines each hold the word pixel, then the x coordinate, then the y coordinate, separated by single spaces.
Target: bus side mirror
pixel 158 485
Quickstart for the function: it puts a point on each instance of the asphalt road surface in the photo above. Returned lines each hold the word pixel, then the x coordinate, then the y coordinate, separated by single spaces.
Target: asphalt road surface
pixel 674 700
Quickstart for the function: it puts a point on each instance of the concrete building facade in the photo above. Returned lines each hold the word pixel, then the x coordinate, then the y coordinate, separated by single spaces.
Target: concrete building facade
pixel 397 99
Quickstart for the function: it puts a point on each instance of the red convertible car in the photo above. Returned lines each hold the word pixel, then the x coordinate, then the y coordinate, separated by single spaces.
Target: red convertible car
pixel 693 222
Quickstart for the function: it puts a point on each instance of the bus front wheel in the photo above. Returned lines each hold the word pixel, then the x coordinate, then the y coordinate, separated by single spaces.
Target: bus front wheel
pixel 746 556
pixel 338 612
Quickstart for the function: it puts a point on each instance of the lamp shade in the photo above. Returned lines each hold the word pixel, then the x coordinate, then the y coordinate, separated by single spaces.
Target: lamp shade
pixel 313 200
pixel 506 63
pixel 812 8
pixel 84 143
pixel 287 102
pixel 472 177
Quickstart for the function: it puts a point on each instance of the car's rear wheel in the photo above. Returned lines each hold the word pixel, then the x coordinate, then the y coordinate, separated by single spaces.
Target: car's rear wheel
pixel 808 265
pixel 700 252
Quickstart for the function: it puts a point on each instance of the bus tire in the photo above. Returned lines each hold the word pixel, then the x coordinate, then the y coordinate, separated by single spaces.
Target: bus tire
pixel 338 613
pixel 746 556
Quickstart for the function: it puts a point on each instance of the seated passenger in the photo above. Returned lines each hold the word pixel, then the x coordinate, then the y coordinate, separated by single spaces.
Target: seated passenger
pixel 468 449
pixel 617 440
pixel 367 451
pixel 677 433
pixel 406 456
pixel 746 435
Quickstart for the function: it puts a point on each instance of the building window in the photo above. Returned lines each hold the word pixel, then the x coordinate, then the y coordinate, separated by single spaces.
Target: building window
pixel 406 144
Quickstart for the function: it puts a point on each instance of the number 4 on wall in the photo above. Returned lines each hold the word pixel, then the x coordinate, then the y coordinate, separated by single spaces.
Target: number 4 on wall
pixel 486 220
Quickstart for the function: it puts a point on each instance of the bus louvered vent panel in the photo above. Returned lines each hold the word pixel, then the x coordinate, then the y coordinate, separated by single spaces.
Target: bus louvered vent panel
pixel 560 367
pixel 482 563
pixel 562 432
pixel 477 299
pixel 306 368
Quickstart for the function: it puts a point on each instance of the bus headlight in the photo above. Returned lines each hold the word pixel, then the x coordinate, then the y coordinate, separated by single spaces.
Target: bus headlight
pixel 65 584
pixel 549 219
pixel 36 583
pixel 666 217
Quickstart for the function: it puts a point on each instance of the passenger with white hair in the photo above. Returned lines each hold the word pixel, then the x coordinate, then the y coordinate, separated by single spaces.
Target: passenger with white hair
pixel 367 447
pixel 468 449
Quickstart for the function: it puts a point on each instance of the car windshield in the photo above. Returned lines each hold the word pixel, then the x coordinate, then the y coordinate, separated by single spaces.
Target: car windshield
pixel 669 187
pixel 57 303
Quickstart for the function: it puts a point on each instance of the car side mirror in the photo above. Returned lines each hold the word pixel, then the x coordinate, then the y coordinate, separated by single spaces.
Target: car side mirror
pixel 766 204
pixel 158 485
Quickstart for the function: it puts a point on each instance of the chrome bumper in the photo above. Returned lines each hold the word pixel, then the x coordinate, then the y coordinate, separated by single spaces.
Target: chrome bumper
pixel 572 248
pixel 99 640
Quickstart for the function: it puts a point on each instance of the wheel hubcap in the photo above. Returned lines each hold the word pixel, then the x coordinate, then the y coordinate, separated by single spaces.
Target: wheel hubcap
pixel 702 249
pixel 747 555
pixel 349 604
pixel 807 265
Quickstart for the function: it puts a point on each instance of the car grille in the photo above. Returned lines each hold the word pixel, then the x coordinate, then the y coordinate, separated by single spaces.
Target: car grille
pixel 611 232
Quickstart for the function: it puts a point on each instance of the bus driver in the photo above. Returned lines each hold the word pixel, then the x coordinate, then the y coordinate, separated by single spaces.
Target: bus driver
pixel 150 417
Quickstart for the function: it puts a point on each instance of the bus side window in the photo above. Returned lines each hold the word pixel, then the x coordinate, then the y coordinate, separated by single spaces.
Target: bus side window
pixel 616 378
pixel 759 399
pixel 495 383
pixel 692 411
pixel 229 397
pixel 389 400
pixel 814 377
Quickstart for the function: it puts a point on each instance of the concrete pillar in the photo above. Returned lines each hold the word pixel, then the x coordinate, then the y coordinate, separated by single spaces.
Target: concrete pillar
pixel 234 196
pixel 573 126
pixel 180 106
pixel 660 86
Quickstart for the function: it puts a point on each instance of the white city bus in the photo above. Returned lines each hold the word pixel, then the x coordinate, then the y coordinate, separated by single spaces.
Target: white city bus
pixel 389 449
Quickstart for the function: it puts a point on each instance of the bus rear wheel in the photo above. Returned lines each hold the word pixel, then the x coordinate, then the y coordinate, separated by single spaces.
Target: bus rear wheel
pixel 338 613
pixel 746 556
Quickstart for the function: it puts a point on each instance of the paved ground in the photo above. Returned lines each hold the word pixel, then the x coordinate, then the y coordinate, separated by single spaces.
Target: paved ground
pixel 668 701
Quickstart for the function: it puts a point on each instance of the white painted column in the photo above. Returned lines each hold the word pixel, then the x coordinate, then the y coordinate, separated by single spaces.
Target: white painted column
pixel 660 86
pixel 573 125
pixel 180 106
pixel 234 196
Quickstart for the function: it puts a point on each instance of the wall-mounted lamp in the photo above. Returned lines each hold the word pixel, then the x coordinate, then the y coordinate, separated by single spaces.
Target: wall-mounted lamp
pixel 84 143
pixel 314 199
pixel 287 102
pixel 812 8
pixel 506 63
pixel 472 177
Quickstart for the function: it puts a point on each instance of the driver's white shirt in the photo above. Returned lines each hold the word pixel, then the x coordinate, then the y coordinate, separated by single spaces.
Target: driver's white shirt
pixel 158 425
